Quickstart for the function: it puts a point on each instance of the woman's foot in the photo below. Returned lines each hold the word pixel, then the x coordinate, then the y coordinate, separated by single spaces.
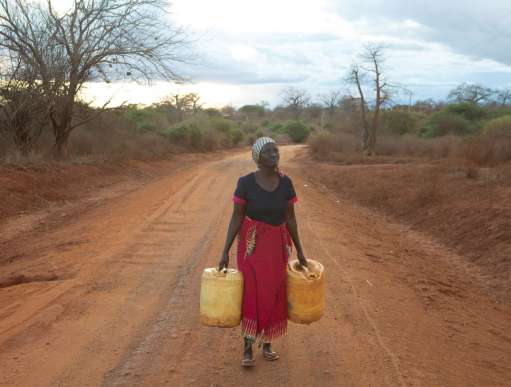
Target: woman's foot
pixel 248 354
pixel 268 353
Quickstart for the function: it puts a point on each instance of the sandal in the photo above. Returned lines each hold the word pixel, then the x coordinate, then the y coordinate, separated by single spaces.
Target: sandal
pixel 248 362
pixel 268 353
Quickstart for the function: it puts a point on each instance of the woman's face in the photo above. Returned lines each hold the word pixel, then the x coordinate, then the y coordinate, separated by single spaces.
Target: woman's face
pixel 269 156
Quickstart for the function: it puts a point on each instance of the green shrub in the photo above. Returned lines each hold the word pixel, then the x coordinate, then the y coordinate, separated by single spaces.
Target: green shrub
pixel 236 136
pixel 177 134
pixel 222 125
pixel 254 110
pixel 397 122
pixel 195 136
pixel 277 128
pixel 249 127
pixel 297 131
pixel 469 111
pixel 212 112
pixel 259 133
pixel 498 112
pixel 444 123
pixel 188 135
pixel 498 126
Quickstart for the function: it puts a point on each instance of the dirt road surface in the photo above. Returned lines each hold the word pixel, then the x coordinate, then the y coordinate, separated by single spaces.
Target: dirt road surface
pixel 108 296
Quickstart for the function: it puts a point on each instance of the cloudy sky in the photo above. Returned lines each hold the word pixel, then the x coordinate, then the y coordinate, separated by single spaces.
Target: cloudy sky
pixel 250 50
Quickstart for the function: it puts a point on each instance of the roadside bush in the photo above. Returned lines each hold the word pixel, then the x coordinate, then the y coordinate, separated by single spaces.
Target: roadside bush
pixel 321 143
pixel 411 145
pixel 325 145
pixel 491 148
pixel 297 131
pixel 487 150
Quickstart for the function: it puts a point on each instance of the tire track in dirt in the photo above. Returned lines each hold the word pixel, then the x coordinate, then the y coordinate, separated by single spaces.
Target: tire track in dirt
pixel 151 283
pixel 168 318
pixel 391 361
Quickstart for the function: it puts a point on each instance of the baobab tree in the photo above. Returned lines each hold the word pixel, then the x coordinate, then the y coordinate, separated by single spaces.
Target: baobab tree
pixel 296 100
pixel 471 93
pixel 503 96
pixel 331 101
pixel 93 40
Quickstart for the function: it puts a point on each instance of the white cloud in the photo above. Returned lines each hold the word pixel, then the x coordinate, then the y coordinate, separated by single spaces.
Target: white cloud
pixel 250 50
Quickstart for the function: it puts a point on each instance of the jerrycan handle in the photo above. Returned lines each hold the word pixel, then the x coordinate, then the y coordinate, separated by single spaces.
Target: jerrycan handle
pixel 221 273
pixel 300 267
pixel 307 272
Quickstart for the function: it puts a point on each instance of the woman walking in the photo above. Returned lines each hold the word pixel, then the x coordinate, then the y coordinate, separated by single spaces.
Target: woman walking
pixel 265 222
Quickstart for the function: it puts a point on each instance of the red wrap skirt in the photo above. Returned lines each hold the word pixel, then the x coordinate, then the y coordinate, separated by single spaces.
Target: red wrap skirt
pixel 263 252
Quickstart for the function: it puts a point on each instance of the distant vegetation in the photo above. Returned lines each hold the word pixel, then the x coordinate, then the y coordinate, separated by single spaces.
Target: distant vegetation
pixel 478 131
pixel 47 59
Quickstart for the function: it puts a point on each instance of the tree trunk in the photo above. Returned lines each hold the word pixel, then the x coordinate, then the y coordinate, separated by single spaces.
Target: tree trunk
pixel 371 149
pixel 61 122
pixel 60 149
pixel 365 127
pixel 371 143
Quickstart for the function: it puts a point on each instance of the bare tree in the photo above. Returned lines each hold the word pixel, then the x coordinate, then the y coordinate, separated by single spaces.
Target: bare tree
pixel 374 56
pixel 425 106
pixel 194 101
pixel 331 101
pixel 23 107
pixel 470 93
pixel 94 40
pixel 356 77
pixel 295 99
pixel 182 104
pixel 372 62
pixel 503 96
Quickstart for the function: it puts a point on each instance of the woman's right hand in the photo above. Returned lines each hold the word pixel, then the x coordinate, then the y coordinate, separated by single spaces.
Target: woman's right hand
pixel 224 262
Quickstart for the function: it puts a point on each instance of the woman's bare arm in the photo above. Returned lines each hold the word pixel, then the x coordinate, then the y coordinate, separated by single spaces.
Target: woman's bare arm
pixel 238 214
pixel 293 230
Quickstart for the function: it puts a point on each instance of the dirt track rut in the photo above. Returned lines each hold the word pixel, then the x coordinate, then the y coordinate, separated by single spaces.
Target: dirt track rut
pixel 122 306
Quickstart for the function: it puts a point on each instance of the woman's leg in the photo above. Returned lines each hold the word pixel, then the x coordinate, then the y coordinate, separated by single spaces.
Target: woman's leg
pixel 248 354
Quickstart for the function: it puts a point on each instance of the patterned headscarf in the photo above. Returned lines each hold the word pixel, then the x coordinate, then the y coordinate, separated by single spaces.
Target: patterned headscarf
pixel 258 146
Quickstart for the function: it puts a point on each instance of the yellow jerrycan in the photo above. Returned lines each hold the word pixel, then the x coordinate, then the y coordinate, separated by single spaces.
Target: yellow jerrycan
pixel 305 291
pixel 221 294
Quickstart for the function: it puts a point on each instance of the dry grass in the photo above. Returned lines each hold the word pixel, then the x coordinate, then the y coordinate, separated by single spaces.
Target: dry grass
pixel 487 150
pixel 481 150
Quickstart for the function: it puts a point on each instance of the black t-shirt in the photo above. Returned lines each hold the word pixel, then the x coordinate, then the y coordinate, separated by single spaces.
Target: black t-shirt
pixel 265 206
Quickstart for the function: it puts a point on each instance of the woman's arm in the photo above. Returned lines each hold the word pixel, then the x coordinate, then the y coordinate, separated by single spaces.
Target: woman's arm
pixel 293 230
pixel 238 214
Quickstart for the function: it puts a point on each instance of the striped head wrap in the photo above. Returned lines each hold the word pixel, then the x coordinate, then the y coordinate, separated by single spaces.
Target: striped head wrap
pixel 258 146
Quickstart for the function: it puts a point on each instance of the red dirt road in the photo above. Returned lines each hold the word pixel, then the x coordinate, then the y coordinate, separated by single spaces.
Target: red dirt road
pixel 109 296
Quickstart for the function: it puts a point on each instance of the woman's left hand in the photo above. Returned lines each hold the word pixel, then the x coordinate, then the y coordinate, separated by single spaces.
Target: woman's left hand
pixel 301 259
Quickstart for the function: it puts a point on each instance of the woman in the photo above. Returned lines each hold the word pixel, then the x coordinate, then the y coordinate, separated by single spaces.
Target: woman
pixel 264 220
